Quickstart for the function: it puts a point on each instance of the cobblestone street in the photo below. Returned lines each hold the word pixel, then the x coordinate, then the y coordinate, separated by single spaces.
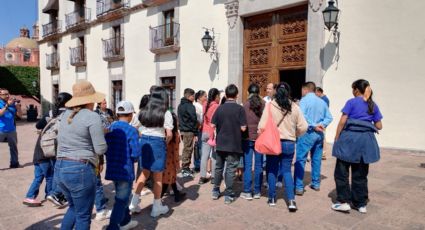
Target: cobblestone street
pixel 396 192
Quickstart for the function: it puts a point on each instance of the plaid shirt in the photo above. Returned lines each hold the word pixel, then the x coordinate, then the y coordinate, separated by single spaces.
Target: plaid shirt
pixel 123 149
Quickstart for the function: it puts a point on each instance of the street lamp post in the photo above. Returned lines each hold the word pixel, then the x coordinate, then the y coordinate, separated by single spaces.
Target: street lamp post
pixel 330 16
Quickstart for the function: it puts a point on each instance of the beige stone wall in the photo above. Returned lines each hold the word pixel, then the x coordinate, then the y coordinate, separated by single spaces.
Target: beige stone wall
pixel 383 42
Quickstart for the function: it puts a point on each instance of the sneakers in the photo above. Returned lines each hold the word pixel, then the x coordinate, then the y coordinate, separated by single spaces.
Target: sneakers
pixel 257 195
pixel 341 207
pixel 279 184
pixel 215 193
pixel 299 192
pixel 130 225
pixel 292 206
pixel 158 209
pixel 362 209
pixel 246 195
pixel 145 192
pixel 202 180
pixel 187 173
pixel 58 201
pixel 134 204
pixel 103 215
pixel 14 166
pixel 315 188
pixel 31 202
pixel 228 199
pixel 271 202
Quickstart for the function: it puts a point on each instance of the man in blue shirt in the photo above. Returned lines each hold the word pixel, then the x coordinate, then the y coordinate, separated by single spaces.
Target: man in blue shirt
pixel 318 117
pixel 319 93
pixel 8 109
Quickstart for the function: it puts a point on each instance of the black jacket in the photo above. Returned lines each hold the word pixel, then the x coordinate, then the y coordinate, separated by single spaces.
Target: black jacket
pixel 187 117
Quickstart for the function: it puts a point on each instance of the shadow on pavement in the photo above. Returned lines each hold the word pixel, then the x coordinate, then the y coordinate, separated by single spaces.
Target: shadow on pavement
pixel 47 223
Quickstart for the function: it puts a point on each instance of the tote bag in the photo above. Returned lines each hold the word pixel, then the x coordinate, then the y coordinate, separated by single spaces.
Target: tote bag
pixel 269 140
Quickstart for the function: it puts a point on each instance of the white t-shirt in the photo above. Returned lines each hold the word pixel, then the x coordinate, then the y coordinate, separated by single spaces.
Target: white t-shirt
pixel 199 112
pixel 158 131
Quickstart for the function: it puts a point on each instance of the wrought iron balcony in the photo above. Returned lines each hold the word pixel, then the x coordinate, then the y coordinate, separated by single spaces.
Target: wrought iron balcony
pixel 113 49
pixel 52 61
pixel 154 2
pixel 51 28
pixel 78 56
pixel 111 9
pixel 78 19
pixel 165 38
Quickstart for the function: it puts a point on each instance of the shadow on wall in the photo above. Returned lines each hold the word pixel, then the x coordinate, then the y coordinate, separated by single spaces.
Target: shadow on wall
pixel 329 54
pixel 214 68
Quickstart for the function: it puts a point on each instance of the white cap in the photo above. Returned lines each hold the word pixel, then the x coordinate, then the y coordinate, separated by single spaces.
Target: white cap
pixel 124 107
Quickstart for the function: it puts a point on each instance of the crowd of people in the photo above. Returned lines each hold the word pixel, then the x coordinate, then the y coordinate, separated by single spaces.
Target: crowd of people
pixel 217 132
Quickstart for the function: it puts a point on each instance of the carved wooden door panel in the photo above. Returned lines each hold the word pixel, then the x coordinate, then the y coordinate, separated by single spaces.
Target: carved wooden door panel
pixel 272 42
pixel 258 50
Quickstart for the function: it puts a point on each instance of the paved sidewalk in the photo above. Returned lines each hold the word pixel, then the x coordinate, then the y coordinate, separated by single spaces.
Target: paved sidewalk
pixel 396 191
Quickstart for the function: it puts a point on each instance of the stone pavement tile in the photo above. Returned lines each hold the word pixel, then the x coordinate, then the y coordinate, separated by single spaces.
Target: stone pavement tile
pixel 341 219
pixel 200 219
pixel 371 225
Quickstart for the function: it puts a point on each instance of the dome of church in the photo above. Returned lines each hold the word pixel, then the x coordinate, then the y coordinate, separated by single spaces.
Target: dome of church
pixel 22 42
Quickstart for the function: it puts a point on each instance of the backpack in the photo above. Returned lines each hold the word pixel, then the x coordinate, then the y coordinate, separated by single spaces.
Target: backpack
pixel 48 140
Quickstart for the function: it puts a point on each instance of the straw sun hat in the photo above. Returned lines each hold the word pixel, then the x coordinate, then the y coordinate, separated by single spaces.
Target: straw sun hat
pixel 83 93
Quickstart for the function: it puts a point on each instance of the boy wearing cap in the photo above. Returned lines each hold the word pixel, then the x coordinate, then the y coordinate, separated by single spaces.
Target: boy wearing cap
pixel 123 150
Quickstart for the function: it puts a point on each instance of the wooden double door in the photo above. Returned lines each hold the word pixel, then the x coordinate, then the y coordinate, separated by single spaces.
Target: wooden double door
pixel 275 44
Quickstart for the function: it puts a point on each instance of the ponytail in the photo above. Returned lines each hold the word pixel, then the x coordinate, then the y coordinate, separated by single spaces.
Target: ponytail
pixel 364 88
pixel 212 94
pixel 75 110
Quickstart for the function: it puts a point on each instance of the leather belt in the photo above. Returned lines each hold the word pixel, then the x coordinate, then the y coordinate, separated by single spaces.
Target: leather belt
pixel 76 160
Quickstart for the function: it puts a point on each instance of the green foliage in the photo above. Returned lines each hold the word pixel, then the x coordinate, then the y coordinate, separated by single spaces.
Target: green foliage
pixel 19 80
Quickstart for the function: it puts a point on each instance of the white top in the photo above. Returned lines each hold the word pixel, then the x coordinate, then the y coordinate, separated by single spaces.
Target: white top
pixel 199 112
pixel 158 131
pixel 135 121
pixel 267 99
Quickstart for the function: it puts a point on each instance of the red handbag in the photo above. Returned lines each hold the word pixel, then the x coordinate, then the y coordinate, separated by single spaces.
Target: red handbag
pixel 268 142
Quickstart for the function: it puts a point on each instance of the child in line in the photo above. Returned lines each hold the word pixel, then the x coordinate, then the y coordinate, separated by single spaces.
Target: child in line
pixel 123 150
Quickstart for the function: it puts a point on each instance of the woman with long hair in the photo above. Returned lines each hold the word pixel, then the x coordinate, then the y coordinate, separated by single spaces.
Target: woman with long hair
pixel 44 166
pixel 208 133
pixel 80 141
pixel 156 130
pixel 254 109
pixel 291 124
pixel 356 147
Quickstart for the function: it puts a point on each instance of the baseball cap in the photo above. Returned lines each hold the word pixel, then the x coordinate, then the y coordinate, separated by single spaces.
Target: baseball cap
pixel 124 107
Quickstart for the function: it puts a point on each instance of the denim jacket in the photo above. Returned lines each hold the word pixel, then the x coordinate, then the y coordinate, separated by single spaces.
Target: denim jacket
pixel 357 142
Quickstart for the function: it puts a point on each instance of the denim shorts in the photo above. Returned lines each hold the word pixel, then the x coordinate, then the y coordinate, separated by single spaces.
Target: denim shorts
pixel 154 153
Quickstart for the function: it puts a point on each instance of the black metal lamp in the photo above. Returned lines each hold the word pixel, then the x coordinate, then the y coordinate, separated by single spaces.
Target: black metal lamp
pixel 207 41
pixel 330 15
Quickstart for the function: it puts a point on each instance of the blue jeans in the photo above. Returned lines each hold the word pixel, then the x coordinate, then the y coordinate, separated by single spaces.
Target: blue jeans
pixel 99 200
pixel 249 151
pixel 78 182
pixel 120 213
pixel 310 142
pixel 281 163
pixel 42 170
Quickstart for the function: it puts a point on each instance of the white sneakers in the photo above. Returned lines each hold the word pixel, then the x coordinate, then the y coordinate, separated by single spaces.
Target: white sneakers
pixel 134 204
pixel 342 207
pixel 103 215
pixel 158 208
pixel 130 225
pixel 145 192
pixel 345 207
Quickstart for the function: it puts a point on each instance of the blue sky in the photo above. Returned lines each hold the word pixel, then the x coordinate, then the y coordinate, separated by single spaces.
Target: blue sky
pixel 13 15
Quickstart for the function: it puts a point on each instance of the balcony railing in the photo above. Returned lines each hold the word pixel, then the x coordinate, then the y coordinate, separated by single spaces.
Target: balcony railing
pixel 51 28
pixel 154 2
pixel 78 56
pixel 113 49
pixel 105 6
pixel 165 38
pixel 77 18
pixel 52 61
